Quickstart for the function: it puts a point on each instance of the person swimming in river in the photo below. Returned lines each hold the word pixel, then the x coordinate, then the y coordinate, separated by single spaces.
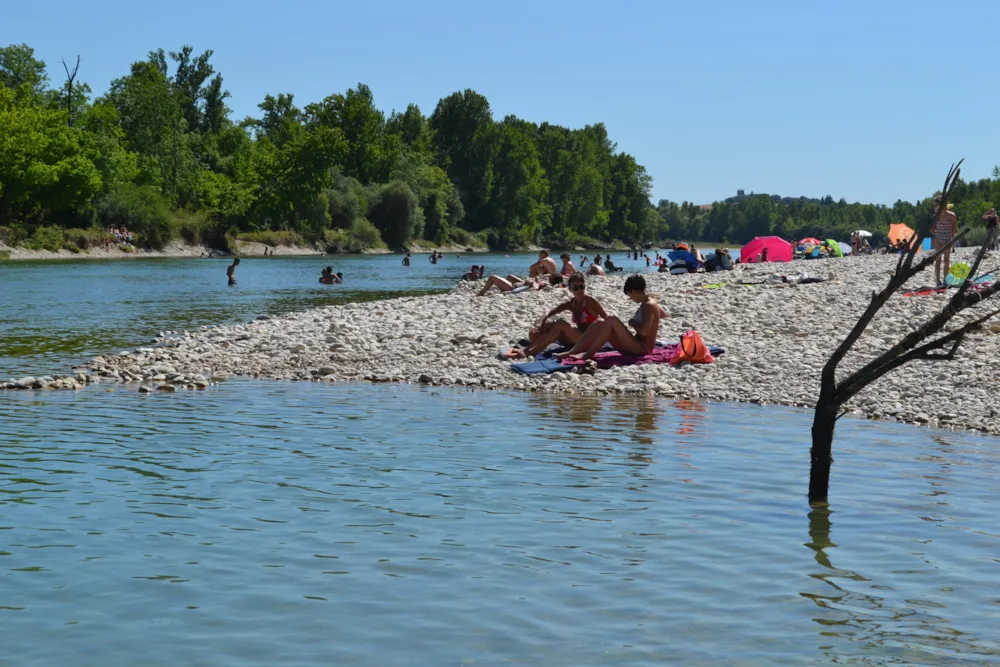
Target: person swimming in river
pixel 406 260
pixel 585 311
pixel 645 323
pixel 434 257
pixel 231 271
pixel 328 277
pixel 475 273
pixel 512 283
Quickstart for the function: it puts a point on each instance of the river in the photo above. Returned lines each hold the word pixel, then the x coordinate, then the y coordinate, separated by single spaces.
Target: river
pixel 262 523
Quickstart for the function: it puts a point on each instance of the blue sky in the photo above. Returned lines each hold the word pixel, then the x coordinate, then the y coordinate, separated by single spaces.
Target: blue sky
pixel 870 101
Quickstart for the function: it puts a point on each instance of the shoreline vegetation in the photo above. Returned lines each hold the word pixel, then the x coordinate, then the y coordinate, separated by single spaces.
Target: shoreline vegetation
pixel 776 335
pixel 160 154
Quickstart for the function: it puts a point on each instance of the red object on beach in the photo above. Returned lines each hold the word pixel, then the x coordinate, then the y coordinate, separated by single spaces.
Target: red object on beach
pixel 810 241
pixel 777 250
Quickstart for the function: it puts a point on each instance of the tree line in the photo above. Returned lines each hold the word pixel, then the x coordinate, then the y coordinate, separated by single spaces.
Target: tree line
pixel 739 219
pixel 160 153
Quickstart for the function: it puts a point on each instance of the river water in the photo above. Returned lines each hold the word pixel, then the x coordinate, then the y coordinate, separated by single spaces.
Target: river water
pixel 262 523
pixel 58 311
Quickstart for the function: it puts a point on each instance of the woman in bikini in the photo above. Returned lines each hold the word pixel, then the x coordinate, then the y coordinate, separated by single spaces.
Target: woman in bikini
pixel 645 322
pixel 585 310
pixel 944 232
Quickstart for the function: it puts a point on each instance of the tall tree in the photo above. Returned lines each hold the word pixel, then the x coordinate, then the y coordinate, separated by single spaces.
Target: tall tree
pixel 464 139
pixel 19 67
pixel 188 81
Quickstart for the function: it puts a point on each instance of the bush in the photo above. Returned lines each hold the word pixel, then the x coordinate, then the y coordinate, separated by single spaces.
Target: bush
pixel 362 235
pixel 975 237
pixel 191 226
pixel 45 238
pixel 81 239
pixel 464 237
pixel 141 209
pixel 272 238
pixel 346 201
pixel 396 212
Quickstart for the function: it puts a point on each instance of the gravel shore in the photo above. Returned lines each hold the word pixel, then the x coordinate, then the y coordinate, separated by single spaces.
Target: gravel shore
pixel 777 338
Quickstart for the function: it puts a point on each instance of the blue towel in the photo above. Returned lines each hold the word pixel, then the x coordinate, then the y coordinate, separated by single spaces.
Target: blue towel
pixel 541 367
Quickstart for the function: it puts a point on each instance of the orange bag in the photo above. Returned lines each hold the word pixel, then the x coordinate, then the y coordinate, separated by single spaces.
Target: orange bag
pixel 692 348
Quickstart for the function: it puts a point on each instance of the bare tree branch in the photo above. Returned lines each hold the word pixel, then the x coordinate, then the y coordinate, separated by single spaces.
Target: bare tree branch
pixel 922 344
pixel 69 86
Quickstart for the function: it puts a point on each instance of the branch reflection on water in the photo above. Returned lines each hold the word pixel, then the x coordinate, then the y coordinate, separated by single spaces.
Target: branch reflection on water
pixel 877 625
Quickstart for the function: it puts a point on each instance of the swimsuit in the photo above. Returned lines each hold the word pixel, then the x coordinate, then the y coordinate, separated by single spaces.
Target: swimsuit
pixel 944 231
pixel 637 321
pixel 583 318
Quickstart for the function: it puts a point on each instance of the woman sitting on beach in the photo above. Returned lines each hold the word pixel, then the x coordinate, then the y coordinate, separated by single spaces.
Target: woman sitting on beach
pixel 645 322
pixel 585 312
pixel 596 269
pixel 513 283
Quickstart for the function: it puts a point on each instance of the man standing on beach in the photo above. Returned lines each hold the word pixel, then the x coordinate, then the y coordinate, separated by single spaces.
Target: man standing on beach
pixel 231 271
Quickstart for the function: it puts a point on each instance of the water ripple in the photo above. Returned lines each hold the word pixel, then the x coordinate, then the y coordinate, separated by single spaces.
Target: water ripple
pixel 299 524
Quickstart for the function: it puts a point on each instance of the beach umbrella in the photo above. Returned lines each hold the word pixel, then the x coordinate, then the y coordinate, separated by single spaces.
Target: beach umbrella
pixel 810 241
pixel 900 232
pixel 778 250
pixel 862 233
pixel 835 247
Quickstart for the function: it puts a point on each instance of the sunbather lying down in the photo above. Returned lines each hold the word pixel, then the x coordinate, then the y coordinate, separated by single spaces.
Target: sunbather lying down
pixel 511 283
pixel 585 310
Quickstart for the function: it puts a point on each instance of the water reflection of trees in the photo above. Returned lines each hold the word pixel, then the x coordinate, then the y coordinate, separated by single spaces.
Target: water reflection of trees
pixel 907 634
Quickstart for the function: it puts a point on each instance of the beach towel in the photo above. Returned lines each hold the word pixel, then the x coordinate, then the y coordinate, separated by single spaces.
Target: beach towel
pixel 660 355
pixel 541 367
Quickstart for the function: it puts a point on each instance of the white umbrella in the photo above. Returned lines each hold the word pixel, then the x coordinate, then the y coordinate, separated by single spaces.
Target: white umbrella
pixel 863 233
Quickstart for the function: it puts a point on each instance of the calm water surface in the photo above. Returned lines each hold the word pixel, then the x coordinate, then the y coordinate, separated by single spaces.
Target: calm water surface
pixel 303 524
pixel 57 313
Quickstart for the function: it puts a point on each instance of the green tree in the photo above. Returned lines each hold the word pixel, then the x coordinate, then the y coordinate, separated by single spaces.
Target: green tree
pixel 520 189
pixel 44 170
pixel 395 211
pixel 464 140
pixel 371 154
pixel 19 67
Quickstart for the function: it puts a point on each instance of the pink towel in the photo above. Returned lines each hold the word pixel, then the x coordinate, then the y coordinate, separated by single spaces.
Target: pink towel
pixel 659 355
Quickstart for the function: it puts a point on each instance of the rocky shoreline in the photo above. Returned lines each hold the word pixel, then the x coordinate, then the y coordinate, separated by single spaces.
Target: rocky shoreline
pixel 777 338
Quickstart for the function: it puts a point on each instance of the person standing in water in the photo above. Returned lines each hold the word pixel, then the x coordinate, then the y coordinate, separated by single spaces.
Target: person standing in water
pixel 231 271
pixel 406 260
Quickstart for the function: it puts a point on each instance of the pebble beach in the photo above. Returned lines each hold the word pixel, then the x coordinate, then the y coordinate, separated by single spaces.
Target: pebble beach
pixel 776 336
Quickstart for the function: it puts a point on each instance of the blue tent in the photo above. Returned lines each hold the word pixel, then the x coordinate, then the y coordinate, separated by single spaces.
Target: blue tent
pixel 926 245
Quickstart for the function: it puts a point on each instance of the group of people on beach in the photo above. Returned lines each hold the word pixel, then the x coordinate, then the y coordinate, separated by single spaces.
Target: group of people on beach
pixel 118 235
pixel 590 326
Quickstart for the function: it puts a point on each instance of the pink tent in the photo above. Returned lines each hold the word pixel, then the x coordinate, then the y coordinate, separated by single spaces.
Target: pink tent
pixel 777 250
